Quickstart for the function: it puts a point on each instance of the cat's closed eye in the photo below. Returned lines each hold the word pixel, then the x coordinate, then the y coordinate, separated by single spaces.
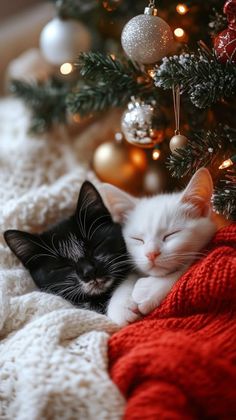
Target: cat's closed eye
pixel 61 267
pixel 137 239
pixel 169 235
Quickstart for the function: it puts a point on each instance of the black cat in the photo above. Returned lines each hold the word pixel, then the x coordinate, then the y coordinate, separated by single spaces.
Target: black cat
pixel 82 259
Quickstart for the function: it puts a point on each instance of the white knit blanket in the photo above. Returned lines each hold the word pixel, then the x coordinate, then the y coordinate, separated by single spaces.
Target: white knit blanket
pixel 53 357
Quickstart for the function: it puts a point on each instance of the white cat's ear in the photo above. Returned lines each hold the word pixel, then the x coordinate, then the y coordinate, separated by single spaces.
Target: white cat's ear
pixel 198 193
pixel 118 202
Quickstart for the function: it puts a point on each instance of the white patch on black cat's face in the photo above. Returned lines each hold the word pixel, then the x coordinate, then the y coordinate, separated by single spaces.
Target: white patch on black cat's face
pixel 71 248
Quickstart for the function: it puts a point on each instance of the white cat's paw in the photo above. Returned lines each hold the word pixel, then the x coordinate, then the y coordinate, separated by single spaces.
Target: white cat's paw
pixel 127 315
pixel 149 292
pixel 132 312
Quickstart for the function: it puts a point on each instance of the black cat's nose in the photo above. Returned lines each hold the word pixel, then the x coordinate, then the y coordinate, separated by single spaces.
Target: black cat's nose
pixel 88 274
pixel 86 270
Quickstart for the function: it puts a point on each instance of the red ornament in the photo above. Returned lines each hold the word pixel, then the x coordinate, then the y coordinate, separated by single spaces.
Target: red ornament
pixel 225 42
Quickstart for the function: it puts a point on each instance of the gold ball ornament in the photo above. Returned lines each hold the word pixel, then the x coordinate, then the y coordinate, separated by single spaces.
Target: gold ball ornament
pixel 177 142
pixel 121 165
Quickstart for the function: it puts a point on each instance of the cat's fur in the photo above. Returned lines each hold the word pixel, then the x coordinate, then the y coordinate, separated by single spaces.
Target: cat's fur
pixel 83 258
pixel 164 235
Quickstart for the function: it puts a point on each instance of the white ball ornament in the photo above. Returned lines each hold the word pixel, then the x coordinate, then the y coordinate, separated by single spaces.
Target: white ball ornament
pixel 62 40
pixel 147 38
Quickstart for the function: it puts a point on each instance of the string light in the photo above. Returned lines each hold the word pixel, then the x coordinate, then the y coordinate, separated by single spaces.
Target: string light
pixel 179 32
pixel 227 163
pixel 77 118
pixel 66 68
pixel 156 153
pixel 151 73
pixel 182 9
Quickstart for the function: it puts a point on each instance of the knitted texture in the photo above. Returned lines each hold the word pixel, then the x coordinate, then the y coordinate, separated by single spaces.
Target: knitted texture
pixel 179 362
pixel 53 357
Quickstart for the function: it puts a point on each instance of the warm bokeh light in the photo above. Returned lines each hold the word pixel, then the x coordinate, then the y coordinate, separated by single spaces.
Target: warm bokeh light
pixel 77 118
pixel 179 32
pixel 66 68
pixel 151 73
pixel 156 154
pixel 226 164
pixel 182 9
pixel 138 158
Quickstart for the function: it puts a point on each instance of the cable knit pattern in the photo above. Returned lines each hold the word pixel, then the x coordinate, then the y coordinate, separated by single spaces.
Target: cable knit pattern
pixel 180 361
pixel 53 357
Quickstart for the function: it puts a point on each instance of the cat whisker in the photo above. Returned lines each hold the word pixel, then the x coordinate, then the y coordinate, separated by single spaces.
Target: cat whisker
pixel 48 248
pixel 121 257
pixel 59 292
pixel 34 257
pixel 116 264
pixel 45 247
pixel 80 224
pixel 53 245
pixel 98 227
pixel 103 223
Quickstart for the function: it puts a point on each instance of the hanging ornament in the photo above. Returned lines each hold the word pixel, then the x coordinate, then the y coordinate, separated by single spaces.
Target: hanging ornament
pixel 142 124
pixel 225 42
pixel 120 164
pixel 178 140
pixel 147 38
pixel 62 40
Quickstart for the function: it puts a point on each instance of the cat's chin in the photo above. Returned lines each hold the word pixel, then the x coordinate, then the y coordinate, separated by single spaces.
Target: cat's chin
pixel 157 272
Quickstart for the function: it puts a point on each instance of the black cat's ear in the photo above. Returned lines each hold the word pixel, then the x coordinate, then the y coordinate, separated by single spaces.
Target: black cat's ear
pixel 23 244
pixel 91 201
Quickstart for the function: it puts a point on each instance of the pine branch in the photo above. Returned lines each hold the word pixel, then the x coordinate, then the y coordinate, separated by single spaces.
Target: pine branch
pixel 109 83
pixel 97 98
pixel 200 76
pixel 208 148
pixel 104 68
pixel 218 22
pixel 225 195
pixel 46 101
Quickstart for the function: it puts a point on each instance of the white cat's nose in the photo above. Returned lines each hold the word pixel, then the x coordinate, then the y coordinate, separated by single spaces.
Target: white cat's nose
pixel 151 256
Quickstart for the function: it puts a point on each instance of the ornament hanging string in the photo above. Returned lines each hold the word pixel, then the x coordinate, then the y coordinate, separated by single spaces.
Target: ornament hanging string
pixel 151 3
pixel 178 140
pixel 176 101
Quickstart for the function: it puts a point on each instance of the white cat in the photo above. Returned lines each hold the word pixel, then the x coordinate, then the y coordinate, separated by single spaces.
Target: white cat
pixel 164 235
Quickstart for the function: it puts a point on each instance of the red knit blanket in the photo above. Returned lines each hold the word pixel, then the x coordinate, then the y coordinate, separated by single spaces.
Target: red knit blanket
pixel 180 361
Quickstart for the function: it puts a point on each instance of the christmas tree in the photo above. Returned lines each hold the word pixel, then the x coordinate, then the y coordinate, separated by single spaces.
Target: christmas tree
pixel 148 78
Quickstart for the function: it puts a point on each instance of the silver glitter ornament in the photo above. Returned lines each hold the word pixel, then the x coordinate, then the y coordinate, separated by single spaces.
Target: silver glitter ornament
pixel 141 124
pixel 147 38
